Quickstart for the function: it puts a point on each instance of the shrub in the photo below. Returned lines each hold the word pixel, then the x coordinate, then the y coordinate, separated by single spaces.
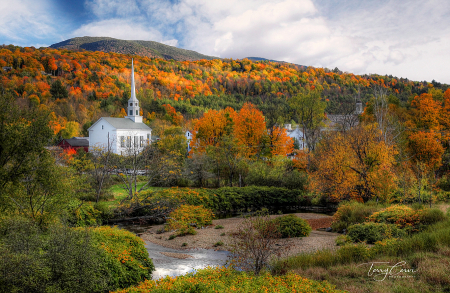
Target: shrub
pixel 373 232
pixel 229 199
pixel 227 280
pixel 292 226
pixel 185 215
pixel 218 243
pixel 186 231
pixel 431 216
pixel 124 254
pixel 402 216
pixel 218 227
pixel 63 259
pixel 354 253
pixel 349 213
pixel 342 240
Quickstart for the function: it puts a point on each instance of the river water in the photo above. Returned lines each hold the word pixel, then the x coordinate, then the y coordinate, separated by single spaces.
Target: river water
pixel 169 266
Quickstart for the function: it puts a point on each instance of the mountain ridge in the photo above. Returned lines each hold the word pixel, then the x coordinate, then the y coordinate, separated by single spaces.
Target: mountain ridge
pixel 150 49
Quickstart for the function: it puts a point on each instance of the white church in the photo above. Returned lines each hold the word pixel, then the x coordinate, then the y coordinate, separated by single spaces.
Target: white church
pixel 121 135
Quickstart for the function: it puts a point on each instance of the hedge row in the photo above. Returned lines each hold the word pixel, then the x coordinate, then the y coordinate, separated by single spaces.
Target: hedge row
pixel 233 199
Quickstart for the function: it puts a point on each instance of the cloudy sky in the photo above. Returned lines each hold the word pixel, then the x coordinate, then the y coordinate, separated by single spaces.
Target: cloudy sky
pixel 405 38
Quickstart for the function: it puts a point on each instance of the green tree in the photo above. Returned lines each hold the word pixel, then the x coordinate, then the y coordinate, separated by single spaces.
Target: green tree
pixel 43 193
pixel 72 129
pixel 23 136
pixel 309 109
pixel 58 91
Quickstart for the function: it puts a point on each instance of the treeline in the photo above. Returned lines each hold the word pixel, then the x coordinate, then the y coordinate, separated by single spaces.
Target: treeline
pixel 79 87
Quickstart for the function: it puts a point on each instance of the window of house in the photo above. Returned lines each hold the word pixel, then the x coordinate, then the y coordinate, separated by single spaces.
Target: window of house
pixel 141 142
pixel 103 127
pixel 137 112
pixel 136 141
pixel 148 138
pixel 122 141
pixel 129 141
pixel 131 112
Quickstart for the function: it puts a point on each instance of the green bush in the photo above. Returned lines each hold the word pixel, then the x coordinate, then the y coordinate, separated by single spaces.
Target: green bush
pixel 431 216
pixel 349 213
pixel 84 214
pixel 185 215
pixel 279 174
pixel 60 259
pixel 407 218
pixel 342 240
pixel 373 232
pixel 292 226
pixel 124 255
pixel 233 199
pixel 186 231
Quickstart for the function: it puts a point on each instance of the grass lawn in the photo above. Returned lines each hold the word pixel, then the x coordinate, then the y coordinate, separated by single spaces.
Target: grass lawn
pixel 120 193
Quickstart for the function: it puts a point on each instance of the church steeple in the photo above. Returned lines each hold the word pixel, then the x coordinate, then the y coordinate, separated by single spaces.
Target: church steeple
pixel 133 103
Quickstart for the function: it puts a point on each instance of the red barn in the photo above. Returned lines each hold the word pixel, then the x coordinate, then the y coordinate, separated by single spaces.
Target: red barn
pixel 75 143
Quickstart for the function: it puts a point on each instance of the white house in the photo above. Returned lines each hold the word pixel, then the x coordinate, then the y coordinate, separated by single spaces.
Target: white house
pixel 296 134
pixel 121 135
pixel 188 136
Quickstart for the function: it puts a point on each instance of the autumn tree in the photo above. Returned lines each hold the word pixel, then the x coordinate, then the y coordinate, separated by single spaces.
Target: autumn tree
pixel 355 164
pixel 249 129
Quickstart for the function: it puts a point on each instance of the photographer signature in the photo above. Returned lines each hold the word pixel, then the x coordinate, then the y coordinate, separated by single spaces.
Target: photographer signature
pixel 395 271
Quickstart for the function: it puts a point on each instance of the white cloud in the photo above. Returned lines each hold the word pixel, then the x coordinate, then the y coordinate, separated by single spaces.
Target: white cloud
pixel 408 38
pixel 24 19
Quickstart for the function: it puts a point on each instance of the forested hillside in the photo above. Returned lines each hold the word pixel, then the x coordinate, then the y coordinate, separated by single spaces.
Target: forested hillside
pixel 142 48
pixel 80 87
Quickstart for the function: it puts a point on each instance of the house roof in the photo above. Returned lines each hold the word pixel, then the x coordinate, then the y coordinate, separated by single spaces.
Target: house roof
pixel 124 123
pixel 78 141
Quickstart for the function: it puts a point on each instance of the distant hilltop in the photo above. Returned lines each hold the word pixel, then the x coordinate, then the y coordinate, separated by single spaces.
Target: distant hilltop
pixel 264 59
pixel 149 49
pixel 143 48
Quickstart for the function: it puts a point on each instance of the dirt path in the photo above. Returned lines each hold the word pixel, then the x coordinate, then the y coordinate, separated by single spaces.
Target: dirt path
pixel 208 237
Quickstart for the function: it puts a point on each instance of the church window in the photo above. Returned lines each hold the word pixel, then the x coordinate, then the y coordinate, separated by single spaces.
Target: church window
pixel 131 112
pixel 129 141
pixel 122 141
pixel 135 104
pixel 148 138
pixel 131 104
pixel 137 112
pixel 141 142
pixel 136 141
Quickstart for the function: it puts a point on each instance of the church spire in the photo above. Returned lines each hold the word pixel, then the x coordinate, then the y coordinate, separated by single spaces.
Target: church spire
pixel 133 103
pixel 133 88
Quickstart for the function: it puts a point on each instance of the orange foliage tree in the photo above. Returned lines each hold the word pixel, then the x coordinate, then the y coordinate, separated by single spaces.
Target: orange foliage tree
pixel 356 164
pixel 249 129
